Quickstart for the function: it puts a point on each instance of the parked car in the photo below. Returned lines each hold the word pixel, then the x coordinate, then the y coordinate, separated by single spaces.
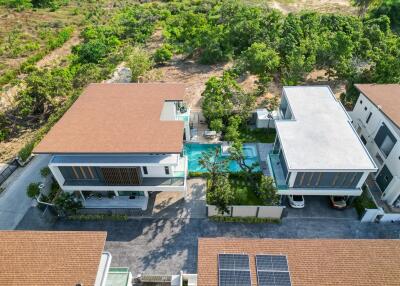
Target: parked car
pixel 338 202
pixel 296 201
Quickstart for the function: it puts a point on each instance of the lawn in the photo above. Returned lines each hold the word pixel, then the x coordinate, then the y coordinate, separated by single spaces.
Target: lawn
pixel 258 135
pixel 244 194
pixel 363 202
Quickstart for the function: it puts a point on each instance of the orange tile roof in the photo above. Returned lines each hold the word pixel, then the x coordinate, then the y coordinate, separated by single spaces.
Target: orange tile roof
pixel 311 262
pixel 117 118
pixel 386 97
pixel 50 258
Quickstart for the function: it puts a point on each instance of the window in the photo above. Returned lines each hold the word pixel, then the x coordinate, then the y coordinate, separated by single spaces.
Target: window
pixel 385 140
pixel 387 145
pixel 365 108
pixel 82 173
pixel 360 101
pixel 363 140
pixel 145 171
pixel 369 117
pixel 166 168
pixel 379 159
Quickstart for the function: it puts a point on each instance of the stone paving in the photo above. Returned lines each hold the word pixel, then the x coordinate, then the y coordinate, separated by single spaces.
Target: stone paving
pixel 168 245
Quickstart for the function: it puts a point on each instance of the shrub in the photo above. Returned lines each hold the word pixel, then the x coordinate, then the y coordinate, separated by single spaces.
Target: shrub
pixel 33 190
pixel 45 171
pixel 139 62
pixel 26 151
pixel 244 219
pixel 67 203
pixel 99 217
pixel 163 54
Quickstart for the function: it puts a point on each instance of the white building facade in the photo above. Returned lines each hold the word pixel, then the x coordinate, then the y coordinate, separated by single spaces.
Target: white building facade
pixel 381 136
pixel 317 151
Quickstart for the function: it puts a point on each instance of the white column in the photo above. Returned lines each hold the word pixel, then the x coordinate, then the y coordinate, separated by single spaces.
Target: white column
pixel 57 175
pixel 362 179
pixel 292 179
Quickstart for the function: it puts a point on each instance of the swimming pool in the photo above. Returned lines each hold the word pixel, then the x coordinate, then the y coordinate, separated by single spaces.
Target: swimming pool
pixel 194 152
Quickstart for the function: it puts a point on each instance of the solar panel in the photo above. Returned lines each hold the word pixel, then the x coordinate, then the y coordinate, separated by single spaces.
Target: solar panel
pixel 272 270
pixel 234 270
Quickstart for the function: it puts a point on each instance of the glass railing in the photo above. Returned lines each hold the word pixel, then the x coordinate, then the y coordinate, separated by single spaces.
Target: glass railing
pixel 178 174
pixel 277 171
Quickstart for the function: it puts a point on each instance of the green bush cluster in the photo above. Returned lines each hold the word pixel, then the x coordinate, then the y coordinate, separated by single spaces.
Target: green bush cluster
pixel 53 91
pixel 33 190
pixel 98 217
pixel 251 220
pixel 266 42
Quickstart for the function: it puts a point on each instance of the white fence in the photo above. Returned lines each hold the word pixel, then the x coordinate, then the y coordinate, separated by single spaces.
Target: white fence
pixel 379 215
pixel 249 211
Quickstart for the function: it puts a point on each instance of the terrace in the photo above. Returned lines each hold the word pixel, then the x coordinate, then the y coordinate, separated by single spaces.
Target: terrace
pixel 275 166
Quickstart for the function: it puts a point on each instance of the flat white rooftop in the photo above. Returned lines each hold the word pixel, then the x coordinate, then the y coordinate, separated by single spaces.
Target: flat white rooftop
pixel 320 135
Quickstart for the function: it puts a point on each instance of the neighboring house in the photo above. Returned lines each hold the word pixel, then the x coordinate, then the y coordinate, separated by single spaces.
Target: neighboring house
pixel 273 262
pixel 376 117
pixel 317 151
pixel 118 142
pixel 58 258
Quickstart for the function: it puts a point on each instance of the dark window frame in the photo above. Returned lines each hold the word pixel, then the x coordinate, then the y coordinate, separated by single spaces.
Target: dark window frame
pixel 368 117
pixel 166 170
pixel 145 171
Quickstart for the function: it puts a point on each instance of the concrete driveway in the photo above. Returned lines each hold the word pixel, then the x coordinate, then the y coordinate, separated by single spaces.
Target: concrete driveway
pixel 168 245
pixel 319 207
pixel 14 202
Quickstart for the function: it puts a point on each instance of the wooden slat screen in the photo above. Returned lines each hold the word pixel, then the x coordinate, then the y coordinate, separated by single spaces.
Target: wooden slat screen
pixel 130 176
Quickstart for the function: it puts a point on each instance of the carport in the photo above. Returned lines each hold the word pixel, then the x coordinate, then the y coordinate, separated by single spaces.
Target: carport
pixel 318 207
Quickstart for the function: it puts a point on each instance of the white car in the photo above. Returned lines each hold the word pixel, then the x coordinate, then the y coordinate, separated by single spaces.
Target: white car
pixel 296 201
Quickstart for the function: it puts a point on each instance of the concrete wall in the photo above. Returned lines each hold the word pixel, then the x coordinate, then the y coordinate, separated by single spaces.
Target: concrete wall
pixel 378 215
pixel 369 131
pixel 249 211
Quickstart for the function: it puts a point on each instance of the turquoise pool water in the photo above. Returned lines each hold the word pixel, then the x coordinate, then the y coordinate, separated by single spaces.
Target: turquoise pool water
pixel 194 151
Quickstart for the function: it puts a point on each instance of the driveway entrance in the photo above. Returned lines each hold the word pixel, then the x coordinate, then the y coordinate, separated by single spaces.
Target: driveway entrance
pixel 318 207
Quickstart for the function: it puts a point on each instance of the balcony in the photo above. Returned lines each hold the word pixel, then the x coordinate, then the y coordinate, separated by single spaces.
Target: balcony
pixel 277 171
pixel 148 181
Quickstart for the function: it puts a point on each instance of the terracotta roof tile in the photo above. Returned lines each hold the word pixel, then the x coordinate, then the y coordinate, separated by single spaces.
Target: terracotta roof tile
pixel 50 258
pixel 117 118
pixel 311 262
pixel 386 97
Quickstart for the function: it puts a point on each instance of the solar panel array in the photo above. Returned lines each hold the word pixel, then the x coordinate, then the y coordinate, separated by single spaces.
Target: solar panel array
pixel 234 270
pixel 272 270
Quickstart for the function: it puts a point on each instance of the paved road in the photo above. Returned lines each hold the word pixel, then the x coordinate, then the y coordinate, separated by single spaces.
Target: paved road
pixel 13 201
pixel 166 246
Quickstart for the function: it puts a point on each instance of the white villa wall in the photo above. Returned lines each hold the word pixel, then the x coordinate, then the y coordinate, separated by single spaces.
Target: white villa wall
pixel 368 131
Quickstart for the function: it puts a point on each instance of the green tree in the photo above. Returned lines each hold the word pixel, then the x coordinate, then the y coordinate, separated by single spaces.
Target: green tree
pixel 222 194
pixel 33 190
pixel 260 60
pixel 237 154
pixel 389 8
pixel 211 162
pixel 271 104
pixel 267 191
pixel 44 91
pixel 139 61
pixel 17 4
pixel 67 203
pixel 163 54
pixel 232 132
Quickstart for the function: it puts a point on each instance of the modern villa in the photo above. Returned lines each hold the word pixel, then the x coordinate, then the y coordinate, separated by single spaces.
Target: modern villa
pixel 120 142
pixel 317 151
pixel 376 117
